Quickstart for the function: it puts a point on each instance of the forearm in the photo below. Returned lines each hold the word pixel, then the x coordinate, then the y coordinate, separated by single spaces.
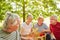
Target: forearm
pixel 10 29
pixel 52 35
pixel 46 30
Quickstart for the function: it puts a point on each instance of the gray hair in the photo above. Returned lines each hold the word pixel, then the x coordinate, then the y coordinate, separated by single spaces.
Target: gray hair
pixel 30 15
pixel 11 16
pixel 55 16
pixel 41 17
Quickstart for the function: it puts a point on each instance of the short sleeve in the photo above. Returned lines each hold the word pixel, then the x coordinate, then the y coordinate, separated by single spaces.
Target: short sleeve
pixel 45 26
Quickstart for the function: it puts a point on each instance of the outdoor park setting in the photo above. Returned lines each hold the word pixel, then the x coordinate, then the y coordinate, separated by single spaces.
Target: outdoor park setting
pixel 29 19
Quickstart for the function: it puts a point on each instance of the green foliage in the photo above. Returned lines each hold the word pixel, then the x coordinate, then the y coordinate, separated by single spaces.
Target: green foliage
pixel 35 7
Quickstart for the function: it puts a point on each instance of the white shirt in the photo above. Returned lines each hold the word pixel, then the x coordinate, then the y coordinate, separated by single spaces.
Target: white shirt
pixel 27 28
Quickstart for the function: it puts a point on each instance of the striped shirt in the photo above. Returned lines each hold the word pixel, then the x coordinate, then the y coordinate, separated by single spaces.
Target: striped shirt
pixel 9 36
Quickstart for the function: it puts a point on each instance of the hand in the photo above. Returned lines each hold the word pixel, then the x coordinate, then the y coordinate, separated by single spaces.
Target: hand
pixel 46 31
pixel 54 37
pixel 4 30
pixel 43 31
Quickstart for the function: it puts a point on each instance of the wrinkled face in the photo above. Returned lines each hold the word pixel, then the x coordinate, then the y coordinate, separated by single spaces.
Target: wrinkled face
pixel 53 20
pixel 40 21
pixel 13 24
pixel 29 19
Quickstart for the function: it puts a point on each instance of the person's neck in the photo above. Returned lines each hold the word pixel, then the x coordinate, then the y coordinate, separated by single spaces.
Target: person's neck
pixel 27 23
pixel 39 24
pixel 55 23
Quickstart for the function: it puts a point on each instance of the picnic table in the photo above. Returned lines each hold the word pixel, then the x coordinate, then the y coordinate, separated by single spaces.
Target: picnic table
pixel 34 37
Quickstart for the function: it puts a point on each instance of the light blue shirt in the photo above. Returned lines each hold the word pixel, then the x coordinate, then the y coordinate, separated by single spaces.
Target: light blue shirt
pixel 40 28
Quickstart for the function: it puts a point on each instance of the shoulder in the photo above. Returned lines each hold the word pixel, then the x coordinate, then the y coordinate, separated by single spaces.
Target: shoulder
pixel 50 24
pixel 31 24
pixel 58 22
pixel 44 24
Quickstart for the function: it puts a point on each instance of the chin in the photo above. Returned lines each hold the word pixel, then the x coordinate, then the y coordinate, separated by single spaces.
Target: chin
pixel 51 23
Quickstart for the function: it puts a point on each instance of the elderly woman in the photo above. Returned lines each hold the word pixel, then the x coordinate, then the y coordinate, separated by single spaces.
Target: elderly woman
pixel 10 27
pixel 26 28
pixel 42 28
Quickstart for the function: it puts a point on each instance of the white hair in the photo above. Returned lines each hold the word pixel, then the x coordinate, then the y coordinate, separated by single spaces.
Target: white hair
pixel 55 16
pixel 30 15
pixel 11 16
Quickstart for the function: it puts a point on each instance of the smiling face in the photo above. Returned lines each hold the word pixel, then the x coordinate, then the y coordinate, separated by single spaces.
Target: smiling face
pixel 29 19
pixel 40 21
pixel 53 20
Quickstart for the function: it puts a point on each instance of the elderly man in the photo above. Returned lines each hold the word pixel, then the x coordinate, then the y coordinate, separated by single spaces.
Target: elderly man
pixel 55 27
pixel 26 27
pixel 10 27
pixel 42 28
